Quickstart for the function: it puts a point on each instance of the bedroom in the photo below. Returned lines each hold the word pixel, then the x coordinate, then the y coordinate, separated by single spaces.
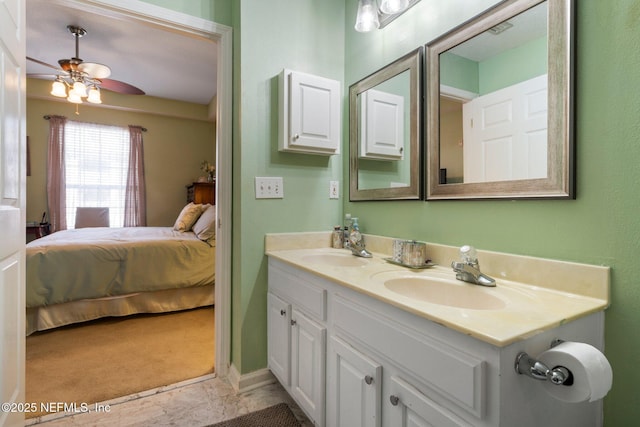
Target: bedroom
pixel 180 136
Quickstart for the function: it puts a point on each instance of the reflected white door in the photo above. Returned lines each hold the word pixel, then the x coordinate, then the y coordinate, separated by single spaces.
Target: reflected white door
pixel 505 133
pixel 12 210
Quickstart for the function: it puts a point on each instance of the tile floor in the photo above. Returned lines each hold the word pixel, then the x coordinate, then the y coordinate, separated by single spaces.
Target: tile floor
pixel 193 403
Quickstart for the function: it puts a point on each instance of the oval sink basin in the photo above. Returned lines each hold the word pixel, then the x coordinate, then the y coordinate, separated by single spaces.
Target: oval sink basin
pixel 337 260
pixel 444 292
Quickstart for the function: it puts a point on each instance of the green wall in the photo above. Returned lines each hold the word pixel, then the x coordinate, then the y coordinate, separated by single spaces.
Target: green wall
pixel 218 11
pixel 505 69
pixel 306 36
pixel 513 66
pixel 599 227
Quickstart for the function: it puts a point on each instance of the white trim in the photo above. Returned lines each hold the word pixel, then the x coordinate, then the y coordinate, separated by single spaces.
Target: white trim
pixel 136 11
pixel 455 93
pixel 250 381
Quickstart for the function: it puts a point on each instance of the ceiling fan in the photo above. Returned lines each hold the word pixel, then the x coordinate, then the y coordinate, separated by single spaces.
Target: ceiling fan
pixel 76 79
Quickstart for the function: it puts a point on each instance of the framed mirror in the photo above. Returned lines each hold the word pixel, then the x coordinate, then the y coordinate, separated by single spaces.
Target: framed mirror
pixel 385 131
pixel 499 110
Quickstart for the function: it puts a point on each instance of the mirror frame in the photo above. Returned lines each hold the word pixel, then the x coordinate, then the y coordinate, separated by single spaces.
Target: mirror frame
pixel 413 62
pixel 560 181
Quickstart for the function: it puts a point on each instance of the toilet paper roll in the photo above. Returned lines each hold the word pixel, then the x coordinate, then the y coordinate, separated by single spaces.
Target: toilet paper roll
pixel 592 374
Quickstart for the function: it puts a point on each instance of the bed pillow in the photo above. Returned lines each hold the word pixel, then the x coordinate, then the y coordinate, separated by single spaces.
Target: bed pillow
pixel 205 226
pixel 188 216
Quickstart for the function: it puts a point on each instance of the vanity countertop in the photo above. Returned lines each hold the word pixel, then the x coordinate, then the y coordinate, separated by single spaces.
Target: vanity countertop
pixel 524 309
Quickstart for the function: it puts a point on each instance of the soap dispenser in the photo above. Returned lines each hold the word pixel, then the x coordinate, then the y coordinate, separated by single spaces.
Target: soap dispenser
pixel 347 231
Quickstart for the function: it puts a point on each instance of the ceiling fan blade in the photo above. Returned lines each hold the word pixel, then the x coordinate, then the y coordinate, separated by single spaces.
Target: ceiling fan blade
pixel 37 61
pixel 120 87
pixel 41 76
pixel 95 70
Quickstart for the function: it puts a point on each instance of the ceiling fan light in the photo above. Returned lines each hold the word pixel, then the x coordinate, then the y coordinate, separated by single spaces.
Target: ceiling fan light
pixel 80 89
pixel 94 96
pixel 391 7
pixel 59 89
pixel 74 97
pixel 367 18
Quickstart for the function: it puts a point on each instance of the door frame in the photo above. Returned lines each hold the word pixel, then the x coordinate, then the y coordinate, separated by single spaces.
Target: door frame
pixel 139 12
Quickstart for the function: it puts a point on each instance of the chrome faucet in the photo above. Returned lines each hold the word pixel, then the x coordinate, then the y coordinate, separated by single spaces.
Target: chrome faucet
pixel 356 241
pixel 468 268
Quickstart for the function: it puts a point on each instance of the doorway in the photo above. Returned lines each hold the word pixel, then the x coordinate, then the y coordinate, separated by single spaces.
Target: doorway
pixel 140 13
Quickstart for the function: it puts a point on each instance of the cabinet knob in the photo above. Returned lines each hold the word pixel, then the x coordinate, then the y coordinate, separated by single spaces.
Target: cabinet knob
pixel 283 312
pixel 368 379
pixel 293 322
pixel 296 137
pixel 401 149
pixel 394 400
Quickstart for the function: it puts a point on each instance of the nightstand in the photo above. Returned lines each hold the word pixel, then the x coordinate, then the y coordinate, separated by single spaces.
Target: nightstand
pixel 201 192
pixel 38 230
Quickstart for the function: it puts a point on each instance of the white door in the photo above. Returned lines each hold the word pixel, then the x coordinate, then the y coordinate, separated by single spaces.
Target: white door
pixel 505 133
pixel 354 389
pixel 12 210
pixel 309 346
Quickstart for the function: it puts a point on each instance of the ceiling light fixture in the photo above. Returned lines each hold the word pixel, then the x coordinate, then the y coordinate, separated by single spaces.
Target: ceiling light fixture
pixel 391 7
pixel 74 83
pixel 370 17
pixel 367 17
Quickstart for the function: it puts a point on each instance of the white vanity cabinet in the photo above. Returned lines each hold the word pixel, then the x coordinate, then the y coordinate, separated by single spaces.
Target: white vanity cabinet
pixel 378 365
pixel 425 376
pixel 297 339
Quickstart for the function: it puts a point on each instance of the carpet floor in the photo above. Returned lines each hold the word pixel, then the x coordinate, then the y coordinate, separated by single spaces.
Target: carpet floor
pixel 114 357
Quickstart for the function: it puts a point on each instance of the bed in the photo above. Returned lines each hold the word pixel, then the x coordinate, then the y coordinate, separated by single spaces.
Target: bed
pixel 85 274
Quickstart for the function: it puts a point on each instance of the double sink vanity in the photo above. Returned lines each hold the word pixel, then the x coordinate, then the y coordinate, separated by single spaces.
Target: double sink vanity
pixel 363 342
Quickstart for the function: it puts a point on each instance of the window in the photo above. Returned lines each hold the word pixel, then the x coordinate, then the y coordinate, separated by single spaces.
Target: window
pixel 96 159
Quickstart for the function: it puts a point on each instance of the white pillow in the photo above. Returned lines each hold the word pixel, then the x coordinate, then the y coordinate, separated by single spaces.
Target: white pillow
pixel 205 226
pixel 188 216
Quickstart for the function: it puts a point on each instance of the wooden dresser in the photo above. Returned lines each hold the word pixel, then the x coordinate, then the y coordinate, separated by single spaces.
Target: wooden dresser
pixel 201 192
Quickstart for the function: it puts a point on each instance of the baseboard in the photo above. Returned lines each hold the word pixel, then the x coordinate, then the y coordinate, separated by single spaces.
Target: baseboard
pixel 246 382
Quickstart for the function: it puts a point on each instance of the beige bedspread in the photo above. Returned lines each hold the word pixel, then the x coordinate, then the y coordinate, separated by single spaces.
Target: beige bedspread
pixel 87 263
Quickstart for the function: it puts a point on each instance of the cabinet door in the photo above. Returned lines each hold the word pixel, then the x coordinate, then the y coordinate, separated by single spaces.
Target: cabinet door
pixel 308 346
pixel 354 387
pixel 279 338
pixel 310 114
pixel 382 127
pixel 408 407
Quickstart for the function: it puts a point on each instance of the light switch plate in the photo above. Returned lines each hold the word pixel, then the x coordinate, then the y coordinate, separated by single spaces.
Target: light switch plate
pixel 334 189
pixel 269 187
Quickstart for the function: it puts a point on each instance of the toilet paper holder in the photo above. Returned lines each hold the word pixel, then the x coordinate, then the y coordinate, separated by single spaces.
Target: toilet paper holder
pixel 531 367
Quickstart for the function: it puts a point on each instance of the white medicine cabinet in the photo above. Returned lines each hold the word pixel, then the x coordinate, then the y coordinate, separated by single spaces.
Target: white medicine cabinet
pixel 309 109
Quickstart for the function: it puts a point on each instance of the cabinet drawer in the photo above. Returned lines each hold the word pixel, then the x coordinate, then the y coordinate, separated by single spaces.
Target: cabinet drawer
pixel 447 370
pixel 298 290
pixel 409 407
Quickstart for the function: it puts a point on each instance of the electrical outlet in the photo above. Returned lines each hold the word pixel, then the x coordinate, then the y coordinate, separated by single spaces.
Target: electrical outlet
pixel 334 189
pixel 269 187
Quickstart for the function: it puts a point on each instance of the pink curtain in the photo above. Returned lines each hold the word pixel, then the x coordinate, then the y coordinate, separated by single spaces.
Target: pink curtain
pixel 56 185
pixel 135 205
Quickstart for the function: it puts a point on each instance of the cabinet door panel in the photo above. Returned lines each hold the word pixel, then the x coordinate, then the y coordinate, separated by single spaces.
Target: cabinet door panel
pixel 354 387
pixel 409 407
pixel 279 342
pixel 308 344
pixel 315 111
